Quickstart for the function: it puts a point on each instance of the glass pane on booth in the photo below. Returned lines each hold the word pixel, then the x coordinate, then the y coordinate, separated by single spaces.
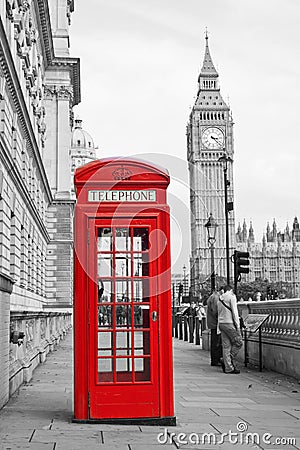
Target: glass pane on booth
pixel 140 239
pixel 141 290
pixel 138 318
pixel 123 265
pixel 142 343
pixel 124 365
pixel 124 370
pixel 104 239
pixel 124 316
pixel 124 341
pixel 142 369
pixel 105 316
pixel 141 316
pixel 105 262
pixel 105 352
pixel 138 290
pixel 105 370
pixel 137 264
pixel 140 265
pixel 105 340
pixel 123 290
pixel 122 242
pixel 138 364
pixel 104 291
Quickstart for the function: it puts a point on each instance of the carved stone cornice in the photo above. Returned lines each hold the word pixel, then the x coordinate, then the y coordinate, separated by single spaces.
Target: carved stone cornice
pixel 60 92
pixel 12 81
pixel 73 65
pixel 44 25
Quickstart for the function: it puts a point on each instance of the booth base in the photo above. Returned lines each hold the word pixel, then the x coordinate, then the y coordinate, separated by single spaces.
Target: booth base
pixel 170 421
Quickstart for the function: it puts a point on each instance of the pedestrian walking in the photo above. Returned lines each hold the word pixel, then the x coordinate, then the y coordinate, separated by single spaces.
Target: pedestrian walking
pixel 212 322
pixel 191 313
pixel 201 314
pixel 229 326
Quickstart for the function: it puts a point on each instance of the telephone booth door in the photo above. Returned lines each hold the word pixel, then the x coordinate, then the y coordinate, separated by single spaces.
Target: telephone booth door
pixel 123 319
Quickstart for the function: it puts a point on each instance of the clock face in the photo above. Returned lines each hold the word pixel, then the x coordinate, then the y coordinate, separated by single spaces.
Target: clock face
pixel 213 138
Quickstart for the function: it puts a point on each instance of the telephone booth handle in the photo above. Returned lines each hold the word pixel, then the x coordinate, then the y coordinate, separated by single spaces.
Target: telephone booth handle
pixel 154 316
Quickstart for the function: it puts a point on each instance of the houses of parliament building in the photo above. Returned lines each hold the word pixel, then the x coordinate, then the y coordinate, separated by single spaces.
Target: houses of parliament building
pixel 276 258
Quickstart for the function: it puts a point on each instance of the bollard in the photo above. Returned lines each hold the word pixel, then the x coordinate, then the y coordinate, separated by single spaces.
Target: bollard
pixel 173 323
pixel 203 325
pixel 185 329
pixel 176 326
pixel 191 329
pixel 180 327
pixel 197 331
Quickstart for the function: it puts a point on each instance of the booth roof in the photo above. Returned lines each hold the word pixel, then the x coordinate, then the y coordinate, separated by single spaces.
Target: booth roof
pixel 92 167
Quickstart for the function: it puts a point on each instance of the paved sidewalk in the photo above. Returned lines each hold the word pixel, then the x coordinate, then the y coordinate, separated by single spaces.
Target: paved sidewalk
pixel 207 401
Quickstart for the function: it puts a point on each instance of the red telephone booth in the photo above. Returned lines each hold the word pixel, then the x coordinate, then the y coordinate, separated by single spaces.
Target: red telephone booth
pixel 123 369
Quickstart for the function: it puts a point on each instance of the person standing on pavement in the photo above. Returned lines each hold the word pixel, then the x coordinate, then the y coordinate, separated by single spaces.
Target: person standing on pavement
pixel 190 310
pixel 229 326
pixel 212 322
pixel 201 314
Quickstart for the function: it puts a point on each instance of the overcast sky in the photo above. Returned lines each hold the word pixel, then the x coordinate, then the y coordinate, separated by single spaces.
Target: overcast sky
pixel 140 61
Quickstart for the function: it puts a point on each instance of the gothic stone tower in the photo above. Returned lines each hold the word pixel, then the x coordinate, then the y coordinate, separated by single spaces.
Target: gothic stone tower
pixel 209 137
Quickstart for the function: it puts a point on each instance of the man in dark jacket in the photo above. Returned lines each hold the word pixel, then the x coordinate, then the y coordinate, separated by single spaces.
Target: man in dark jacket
pixel 212 321
pixel 190 310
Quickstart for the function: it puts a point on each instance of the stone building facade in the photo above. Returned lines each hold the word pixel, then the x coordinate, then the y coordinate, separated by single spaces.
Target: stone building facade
pixel 209 137
pixel 39 85
pixel 276 258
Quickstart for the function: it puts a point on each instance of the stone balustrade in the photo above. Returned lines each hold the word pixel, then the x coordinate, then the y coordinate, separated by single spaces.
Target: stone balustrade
pixel 42 332
pixel 283 322
pixel 280 335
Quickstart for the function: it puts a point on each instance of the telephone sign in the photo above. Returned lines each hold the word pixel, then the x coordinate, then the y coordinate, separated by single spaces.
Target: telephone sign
pixel 122 196
pixel 123 370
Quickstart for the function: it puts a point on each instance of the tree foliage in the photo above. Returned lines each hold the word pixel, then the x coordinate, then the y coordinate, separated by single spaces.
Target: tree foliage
pixel 246 290
pixel 268 290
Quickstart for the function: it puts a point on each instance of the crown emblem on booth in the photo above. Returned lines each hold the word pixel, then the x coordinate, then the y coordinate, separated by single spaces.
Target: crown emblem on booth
pixel 121 173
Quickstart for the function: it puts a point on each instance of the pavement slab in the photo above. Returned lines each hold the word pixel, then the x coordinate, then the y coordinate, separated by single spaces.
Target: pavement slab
pixel 39 415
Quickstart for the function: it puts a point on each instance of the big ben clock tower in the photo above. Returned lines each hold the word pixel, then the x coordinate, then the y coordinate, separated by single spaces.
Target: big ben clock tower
pixel 209 138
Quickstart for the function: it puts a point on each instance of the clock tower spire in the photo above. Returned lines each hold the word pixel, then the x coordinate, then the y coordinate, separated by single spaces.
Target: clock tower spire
pixel 208 77
pixel 209 138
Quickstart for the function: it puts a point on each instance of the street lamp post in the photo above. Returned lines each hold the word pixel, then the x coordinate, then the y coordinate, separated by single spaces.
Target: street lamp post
pixel 228 207
pixel 211 227
pixel 184 285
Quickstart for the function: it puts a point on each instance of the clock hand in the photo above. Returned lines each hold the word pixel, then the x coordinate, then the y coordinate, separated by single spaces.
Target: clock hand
pixel 217 140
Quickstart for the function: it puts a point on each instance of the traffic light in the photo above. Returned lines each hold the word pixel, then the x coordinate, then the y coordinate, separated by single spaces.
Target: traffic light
pixel 241 261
